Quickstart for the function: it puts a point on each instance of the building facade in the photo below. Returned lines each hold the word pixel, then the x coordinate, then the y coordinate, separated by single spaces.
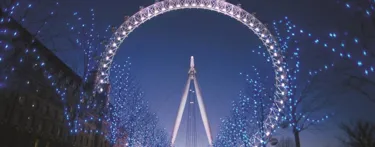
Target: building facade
pixel 31 110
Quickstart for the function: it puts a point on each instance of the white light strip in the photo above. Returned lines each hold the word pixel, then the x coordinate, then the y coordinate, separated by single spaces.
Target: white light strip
pixel 203 111
pixel 180 112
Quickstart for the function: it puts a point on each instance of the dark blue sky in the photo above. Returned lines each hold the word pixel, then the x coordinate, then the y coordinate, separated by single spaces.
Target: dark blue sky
pixel 160 51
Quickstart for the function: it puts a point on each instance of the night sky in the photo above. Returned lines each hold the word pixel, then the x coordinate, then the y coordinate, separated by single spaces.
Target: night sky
pixel 160 50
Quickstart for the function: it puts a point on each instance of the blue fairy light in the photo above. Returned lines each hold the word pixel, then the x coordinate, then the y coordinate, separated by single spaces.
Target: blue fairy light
pixel 359 63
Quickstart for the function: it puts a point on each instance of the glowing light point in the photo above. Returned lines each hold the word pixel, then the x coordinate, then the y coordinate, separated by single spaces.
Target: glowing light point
pixel 192 62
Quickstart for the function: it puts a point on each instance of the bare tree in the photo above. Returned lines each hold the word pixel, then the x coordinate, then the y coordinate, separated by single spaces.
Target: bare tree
pixel 360 134
pixel 285 142
pixel 362 85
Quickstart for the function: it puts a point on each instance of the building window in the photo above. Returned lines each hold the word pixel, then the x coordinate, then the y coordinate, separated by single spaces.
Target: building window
pixel 35 67
pixel 57 114
pixel 6 111
pixel 45 109
pixel 63 135
pixel 40 126
pixel 21 100
pixel 74 138
pixel 67 81
pixel 51 129
pixel 36 144
pixel 34 105
pixel 20 118
pixel 29 121
pixel 58 133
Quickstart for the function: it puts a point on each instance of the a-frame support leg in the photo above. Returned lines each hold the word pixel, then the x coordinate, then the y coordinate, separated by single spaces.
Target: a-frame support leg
pixel 180 111
pixel 202 110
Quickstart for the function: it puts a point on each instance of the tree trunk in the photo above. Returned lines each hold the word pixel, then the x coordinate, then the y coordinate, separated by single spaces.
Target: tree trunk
pixel 296 138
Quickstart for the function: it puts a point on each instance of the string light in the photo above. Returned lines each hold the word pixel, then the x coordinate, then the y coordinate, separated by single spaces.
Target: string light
pixel 248 113
pixel 367 8
pixel 131 112
pixel 86 40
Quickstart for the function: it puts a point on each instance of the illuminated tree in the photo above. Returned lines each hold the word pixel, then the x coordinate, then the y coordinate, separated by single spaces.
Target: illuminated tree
pixel 345 45
pixel 307 96
pixel 362 17
pixel 258 100
pixel 227 135
pixel 37 17
pixel 130 111
pixel 308 92
pixel 248 113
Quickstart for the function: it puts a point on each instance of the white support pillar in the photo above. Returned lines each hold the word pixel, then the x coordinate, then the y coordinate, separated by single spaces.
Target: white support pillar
pixel 202 109
pixel 180 111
